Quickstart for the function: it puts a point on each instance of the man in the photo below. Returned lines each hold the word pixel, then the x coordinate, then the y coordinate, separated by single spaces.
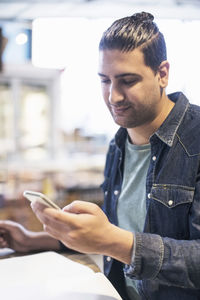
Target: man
pixel 150 231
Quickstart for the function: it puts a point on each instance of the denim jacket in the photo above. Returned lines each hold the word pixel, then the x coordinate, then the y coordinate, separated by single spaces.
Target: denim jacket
pixel 167 252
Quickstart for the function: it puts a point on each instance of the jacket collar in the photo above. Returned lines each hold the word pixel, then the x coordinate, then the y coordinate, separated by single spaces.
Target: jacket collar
pixel 167 131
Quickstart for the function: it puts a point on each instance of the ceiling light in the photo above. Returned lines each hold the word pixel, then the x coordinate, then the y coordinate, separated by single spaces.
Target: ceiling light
pixel 21 39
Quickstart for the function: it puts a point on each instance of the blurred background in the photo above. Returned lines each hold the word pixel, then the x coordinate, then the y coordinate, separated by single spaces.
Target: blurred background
pixel 54 126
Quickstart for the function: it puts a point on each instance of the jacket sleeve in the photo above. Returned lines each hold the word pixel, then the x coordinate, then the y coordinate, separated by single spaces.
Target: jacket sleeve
pixel 167 260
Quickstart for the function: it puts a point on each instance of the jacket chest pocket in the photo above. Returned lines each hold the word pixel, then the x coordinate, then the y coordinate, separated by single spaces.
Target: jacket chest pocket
pixel 169 210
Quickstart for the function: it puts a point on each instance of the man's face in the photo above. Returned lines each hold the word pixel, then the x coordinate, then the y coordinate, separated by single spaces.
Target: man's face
pixel 131 90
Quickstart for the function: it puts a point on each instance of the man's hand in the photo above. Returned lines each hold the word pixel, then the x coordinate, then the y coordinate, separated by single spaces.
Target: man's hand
pixel 84 227
pixel 15 236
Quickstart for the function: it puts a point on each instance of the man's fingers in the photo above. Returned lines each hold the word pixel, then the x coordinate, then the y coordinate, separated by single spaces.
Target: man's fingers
pixel 54 231
pixel 7 224
pixel 3 241
pixel 53 216
pixel 81 207
pixel 76 207
pixel 37 206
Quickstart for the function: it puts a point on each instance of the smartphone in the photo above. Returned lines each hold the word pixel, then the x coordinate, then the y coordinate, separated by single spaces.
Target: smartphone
pixel 36 196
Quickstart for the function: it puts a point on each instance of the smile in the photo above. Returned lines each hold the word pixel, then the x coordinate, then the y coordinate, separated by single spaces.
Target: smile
pixel 119 110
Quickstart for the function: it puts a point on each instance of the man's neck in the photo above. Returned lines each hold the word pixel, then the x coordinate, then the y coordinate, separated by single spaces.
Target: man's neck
pixel 141 135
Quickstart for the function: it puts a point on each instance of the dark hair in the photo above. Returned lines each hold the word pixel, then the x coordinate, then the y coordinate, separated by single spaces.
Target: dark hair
pixel 135 31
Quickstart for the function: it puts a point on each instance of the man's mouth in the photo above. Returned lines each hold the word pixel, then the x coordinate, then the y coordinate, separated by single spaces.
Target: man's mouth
pixel 118 110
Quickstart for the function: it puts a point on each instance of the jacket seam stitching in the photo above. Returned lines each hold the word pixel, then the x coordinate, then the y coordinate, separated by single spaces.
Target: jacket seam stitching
pixel 176 186
pixel 190 155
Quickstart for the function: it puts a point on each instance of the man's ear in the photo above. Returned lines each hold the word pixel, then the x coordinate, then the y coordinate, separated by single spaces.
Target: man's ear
pixel 163 72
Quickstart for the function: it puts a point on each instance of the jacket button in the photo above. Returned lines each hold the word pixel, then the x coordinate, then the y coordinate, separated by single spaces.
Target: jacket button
pixel 106 193
pixel 108 258
pixel 154 158
pixel 170 202
pixel 116 192
pixel 149 195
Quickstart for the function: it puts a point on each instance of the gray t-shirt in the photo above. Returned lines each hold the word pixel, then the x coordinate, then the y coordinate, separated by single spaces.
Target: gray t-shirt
pixel 131 208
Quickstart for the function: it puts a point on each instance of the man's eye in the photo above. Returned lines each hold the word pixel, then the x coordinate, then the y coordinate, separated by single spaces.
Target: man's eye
pixel 129 82
pixel 106 81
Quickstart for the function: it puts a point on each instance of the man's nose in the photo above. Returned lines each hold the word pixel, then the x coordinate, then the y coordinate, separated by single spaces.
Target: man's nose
pixel 115 95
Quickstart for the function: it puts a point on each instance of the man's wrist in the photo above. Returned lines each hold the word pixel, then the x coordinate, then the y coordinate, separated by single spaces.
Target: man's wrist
pixel 121 245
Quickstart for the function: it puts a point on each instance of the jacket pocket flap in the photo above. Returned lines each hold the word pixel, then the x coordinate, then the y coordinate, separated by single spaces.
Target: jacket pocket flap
pixel 172 195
